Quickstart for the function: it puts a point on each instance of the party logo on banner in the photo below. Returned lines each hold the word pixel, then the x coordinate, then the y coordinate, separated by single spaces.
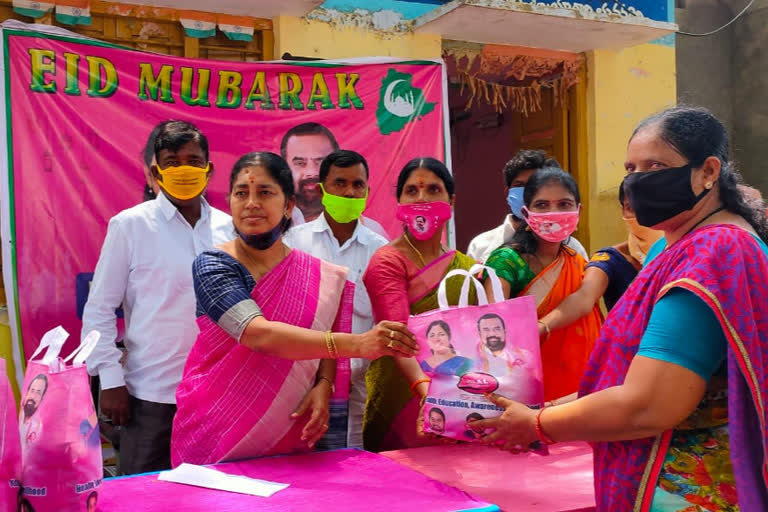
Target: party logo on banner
pixel 400 102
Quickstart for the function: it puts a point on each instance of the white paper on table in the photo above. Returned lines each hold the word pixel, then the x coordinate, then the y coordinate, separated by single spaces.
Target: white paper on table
pixel 201 476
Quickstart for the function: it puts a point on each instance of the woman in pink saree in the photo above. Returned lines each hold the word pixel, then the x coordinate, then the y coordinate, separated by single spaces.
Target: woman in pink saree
pixel 403 278
pixel 260 379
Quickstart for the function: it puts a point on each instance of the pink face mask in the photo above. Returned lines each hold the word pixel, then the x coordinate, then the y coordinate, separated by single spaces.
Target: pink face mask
pixel 424 219
pixel 552 226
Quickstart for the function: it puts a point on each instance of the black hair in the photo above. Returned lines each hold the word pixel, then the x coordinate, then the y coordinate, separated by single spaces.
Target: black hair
pixel 524 160
pixel 148 154
pixel 444 326
pixel 42 377
pixel 438 411
pixel 488 316
pixel 431 164
pixel 524 241
pixel 275 165
pixel 307 129
pixel 696 134
pixel 343 158
pixel 474 416
pixel 172 135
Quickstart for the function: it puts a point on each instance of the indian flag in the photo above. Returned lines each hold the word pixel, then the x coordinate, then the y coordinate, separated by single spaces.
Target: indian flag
pixel 73 12
pixel 32 9
pixel 236 28
pixel 198 24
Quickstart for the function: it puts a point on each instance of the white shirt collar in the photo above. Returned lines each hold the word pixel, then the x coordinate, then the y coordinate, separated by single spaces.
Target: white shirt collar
pixel 361 233
pixel 509 229
pixel 169 209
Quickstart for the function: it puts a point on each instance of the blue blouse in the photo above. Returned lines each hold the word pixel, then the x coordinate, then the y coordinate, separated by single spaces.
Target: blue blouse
pixel 223 289
pixel 619 270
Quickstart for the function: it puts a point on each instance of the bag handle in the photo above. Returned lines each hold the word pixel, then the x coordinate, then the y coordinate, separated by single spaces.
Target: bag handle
pixel 81 353
pixel 498 293
pixel 442 294
pixel 52 340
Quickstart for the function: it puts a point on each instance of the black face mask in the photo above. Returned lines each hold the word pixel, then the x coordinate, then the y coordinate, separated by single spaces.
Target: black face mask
pixel 656 196
pixel 264 241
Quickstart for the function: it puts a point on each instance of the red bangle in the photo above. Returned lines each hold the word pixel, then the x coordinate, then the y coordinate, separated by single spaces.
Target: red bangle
pixel 420 381
pixel 543 437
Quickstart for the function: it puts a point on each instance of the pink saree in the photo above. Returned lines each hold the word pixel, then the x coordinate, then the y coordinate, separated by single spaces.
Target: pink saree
pixel 235 403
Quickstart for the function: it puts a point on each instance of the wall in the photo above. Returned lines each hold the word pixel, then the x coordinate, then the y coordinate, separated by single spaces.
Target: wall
pixel 314 38
pixel 705 71
pixel 623 87
pixel 749 92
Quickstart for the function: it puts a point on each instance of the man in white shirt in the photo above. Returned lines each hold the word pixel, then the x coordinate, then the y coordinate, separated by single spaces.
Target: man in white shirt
pixel 146 266
pixel 339 237
pixel 517 172
pixel 304 147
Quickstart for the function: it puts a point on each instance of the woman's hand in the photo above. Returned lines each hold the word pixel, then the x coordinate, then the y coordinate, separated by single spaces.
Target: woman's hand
pixel 317 401
pixel 387 339
pixel 515 429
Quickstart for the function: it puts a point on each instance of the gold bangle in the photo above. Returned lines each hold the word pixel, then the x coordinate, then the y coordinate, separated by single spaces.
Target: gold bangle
pixel 326 379
pixel 330 344
pixel 546 328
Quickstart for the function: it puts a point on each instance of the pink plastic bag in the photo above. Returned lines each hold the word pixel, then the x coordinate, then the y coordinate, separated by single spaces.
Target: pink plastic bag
pixel 468 351
pixel 10 448
pixel 60 443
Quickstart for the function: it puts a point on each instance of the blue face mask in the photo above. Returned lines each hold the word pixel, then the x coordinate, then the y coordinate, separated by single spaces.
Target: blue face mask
pixel 515 201
pixel 264 241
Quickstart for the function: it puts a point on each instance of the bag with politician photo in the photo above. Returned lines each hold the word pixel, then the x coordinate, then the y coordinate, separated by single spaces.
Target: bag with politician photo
pixel 469 351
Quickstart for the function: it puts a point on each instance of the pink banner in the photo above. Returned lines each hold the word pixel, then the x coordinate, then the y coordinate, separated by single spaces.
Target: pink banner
pixel 79 114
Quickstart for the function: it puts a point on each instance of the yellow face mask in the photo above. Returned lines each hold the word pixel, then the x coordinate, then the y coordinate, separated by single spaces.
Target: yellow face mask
pixel 184 181
pixel 641 238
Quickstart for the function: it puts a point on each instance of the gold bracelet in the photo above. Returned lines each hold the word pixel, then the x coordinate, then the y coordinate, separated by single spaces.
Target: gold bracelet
pixel 546 328
pixel 330 344
pixel 326 379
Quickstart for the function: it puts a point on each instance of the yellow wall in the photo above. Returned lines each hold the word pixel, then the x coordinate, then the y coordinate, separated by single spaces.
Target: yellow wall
pixel 623 87
pixel 310 38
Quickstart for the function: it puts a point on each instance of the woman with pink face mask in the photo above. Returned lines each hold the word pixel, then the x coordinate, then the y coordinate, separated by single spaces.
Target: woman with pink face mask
pixel 402 280
pixel 537 262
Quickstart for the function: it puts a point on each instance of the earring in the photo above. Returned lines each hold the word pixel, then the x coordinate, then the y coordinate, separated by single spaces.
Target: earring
pixel 708 185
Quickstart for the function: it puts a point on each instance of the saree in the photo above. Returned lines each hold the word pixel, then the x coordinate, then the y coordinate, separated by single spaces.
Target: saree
pixel 398 288
pixel 234 402
pixel 725 267
pixel 564 354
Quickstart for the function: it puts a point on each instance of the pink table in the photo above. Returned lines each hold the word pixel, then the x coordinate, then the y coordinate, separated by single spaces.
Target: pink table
pixel 559 482
pixel 337 481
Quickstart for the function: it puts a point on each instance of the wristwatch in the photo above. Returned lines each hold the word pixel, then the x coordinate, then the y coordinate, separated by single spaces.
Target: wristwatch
pixel 326 379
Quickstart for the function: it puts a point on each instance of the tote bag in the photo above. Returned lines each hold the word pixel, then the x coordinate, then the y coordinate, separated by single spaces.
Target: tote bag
pixel 468 351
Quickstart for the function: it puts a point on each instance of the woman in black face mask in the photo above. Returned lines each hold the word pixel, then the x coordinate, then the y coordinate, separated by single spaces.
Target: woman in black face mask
pixel 675 394
pixel 251 386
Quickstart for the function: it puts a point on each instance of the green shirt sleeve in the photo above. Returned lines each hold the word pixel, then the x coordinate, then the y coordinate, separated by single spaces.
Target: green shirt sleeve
pixel 512 268
pixel 683 330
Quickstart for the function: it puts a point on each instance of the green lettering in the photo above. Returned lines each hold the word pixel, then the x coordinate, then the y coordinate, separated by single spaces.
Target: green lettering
pixel 289 94
pixel 229 95
pixel 43 62
pixel 259 92
pixel 203 79
pixel 73 85
pixel 151 86
pixel 319 93
pixel 347 90
pixel 102 77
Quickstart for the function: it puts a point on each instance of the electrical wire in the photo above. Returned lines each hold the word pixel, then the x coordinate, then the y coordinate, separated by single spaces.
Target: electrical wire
pixel 721 28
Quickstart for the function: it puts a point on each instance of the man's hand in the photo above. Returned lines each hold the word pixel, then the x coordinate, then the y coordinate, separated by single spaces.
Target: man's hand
pixel 116 405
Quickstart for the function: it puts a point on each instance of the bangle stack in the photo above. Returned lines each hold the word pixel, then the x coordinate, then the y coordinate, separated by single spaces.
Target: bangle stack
pixel 330 344
pixel 420 381
pixel 543 437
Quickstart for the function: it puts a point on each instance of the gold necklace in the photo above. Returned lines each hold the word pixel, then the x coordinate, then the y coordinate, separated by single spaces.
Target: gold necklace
pixel 418 253
pixel 255 263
